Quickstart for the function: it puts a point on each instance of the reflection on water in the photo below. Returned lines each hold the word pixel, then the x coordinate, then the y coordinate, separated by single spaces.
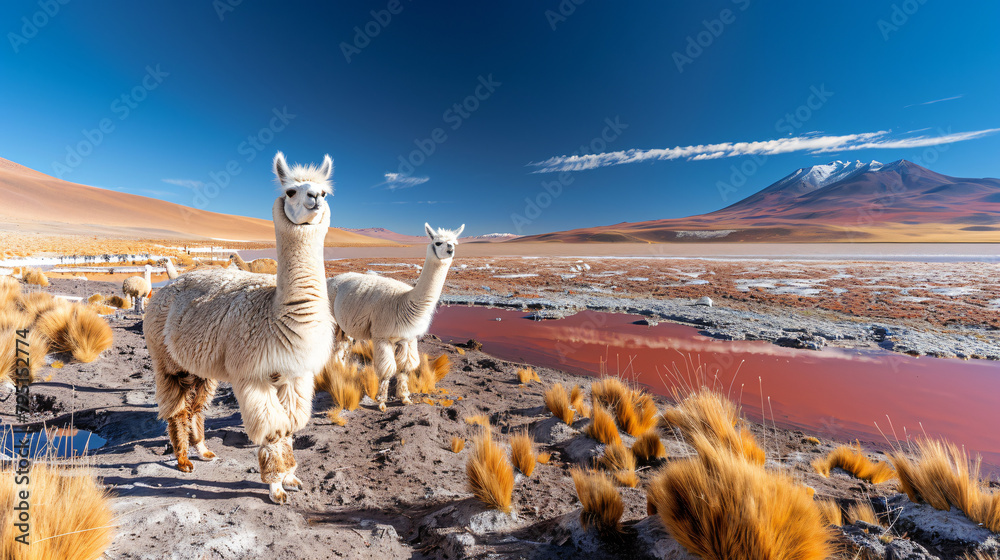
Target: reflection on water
pixel 52 442
pixel 835 393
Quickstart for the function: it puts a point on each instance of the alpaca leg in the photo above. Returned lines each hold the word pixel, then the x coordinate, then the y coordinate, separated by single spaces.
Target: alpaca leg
pixel 296 396
pixel 267 423
pixel 289 481
pixel 200 392
pixel 407 360
pixel 384 360
pixel 272 464
pixel 178 427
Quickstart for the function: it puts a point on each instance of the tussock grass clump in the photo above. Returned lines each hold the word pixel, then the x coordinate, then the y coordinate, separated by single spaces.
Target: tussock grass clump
pixel 544 457
pixel 70 515
pixel 602 505
pixel 620 462
pixel 341 382
pixel 364 349
pixel 102 309
pixel 608 392
pixel 368 381
pixel 35 276
pixel 461 351
pixel 119 302
pixel 557 402
pixel 96 298
pixel 526 375
pixel 54 324
pixel 478 420
pixel 88 335
pixel 334 415
pixel 457 444
pixel 491 478
pixel 10 290
pixel 636 413
pixel 8 355
pixel 943 476
pixel 36 304
pixel 831 512
pixel 602 427
pixel 576 400
pixel 13 318
pixel 709 414
pixel 424 379
pixel 852 460
pixel 648 447
pixel 719 505
pixel 812 440
pixel 862 511
pixel 522 453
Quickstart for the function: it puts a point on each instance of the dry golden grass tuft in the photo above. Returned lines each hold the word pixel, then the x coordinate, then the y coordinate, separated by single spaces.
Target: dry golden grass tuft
pixel 88 335
pixel 10 290
pixel 648 447
pixel 341 382
pixel 457 444
pixel 96 298
pixel 363 349
pixel 620 462
pixel 544 457
pixel 119 302
pixel 461 351
pixel 102 309
pixel 8 355
pixel 943 476
pixel 478 420
pixel 14 318
pixel 54 324
pixel 709 414
pixel 38 303
pixel 368 381
pixel 527 375
pixel 184 259
pixel 35 276
pixel 609 391
pixel 522 453
pixel 812 440
pixel 57 365
pixel 576 400
pixel 719 505
pixel 602 427
pixel 491 478
pixel 852 460
pixel 602 505
pixel 636 413
pixel 70 515
pixel 862 511
pixel 424 379
pixel 557 402
pixel 831 512
pixel 334 415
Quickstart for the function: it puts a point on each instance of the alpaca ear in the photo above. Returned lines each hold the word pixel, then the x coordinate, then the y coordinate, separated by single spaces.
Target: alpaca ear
pixel 281 167
pixel 429 230
pixel 460 229
pixel 327 167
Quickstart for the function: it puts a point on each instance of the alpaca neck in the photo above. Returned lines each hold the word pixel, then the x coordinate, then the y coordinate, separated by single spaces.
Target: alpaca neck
pixel 147 276
pixel 301 278
pixel 424 296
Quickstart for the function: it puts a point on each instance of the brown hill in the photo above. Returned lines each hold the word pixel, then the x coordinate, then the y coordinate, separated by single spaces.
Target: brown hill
pixel 837 202
pixel 39 203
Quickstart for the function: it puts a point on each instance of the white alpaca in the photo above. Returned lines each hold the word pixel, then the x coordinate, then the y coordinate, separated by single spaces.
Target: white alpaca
pixel 267 335
pixel 169 265
pixel 137 288
pixel 392 314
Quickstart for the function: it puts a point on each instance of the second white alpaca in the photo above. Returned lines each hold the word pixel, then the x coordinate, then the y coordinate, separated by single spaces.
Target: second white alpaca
pixel 392 314
pixel 137 288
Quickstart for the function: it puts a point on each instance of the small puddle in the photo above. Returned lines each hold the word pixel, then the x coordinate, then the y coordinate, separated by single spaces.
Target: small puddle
pixel 835 393
pixel 52 442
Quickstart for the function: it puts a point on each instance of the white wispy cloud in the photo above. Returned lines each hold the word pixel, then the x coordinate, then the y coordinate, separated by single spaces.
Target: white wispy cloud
pixel 394 181
pixel 155 192
pixel 935 101
pixel 186 183
pixel 811 144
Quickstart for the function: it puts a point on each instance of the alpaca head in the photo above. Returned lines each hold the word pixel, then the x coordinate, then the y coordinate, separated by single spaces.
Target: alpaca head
pixel 305 188
pixel 443 241
pixel 148 269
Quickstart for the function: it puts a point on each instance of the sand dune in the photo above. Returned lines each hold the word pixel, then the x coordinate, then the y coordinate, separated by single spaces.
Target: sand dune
pixel 39 203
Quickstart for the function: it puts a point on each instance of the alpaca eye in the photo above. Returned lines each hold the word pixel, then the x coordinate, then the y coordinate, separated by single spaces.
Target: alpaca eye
pixel 290 193
pixel 438 243
pixel 322 195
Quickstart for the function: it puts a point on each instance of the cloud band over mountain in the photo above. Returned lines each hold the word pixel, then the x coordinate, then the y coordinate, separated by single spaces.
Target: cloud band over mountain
pixel 811 144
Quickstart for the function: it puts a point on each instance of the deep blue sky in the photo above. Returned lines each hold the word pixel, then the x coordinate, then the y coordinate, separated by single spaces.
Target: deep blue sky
pixel 556 89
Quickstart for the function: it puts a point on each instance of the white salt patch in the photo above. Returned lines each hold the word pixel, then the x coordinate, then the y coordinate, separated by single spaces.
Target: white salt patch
pixel 705 234
pixel 637 279
pixel 514 275
pixel 955 291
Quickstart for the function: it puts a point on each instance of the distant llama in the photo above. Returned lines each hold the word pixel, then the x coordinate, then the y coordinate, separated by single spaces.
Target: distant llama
pixel 260 266
pixel 391 313
pixel 267 335
pixel 137 288
pixel 169 265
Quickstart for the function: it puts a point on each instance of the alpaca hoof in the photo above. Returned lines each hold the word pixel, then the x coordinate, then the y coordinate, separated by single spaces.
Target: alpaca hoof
pixel 207 455
pixel 406 400
pixel 278 495
pixel 185 465
pixel 291 483
pixel 381 406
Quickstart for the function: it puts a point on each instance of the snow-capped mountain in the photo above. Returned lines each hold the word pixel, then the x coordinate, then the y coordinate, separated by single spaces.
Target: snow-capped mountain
pixel 837 201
